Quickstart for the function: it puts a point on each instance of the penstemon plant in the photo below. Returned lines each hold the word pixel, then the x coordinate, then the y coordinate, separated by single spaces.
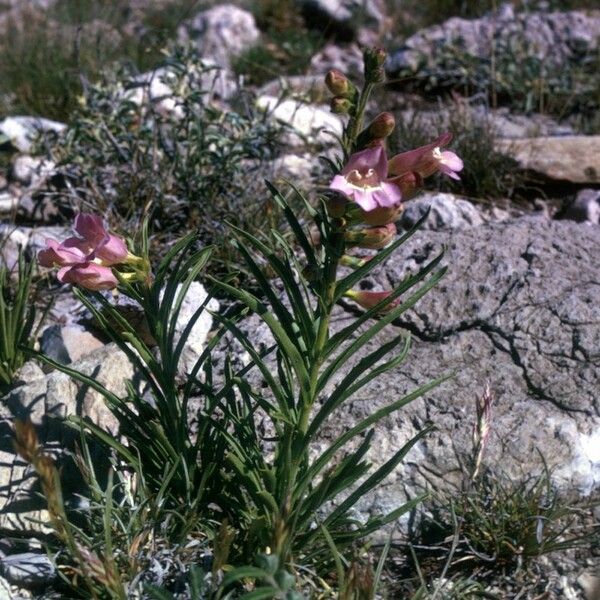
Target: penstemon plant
pixel 295 495
pixel 269 491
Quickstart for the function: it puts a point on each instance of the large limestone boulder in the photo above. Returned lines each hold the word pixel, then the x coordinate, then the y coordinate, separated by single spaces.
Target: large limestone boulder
pixel 554 38
pixel 46 400
pixel 575 159
pixel 518 309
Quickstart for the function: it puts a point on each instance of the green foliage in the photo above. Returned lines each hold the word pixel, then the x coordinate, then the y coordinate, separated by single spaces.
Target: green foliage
pixel 46 55
pixel 501 523
pixel 279 53
pixel 194 171
pixel 489 174
pixel 508 522
pixel 286 491
pixel 17 315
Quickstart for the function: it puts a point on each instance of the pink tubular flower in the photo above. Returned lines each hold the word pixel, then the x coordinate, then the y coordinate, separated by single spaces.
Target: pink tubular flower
pixel 86 260
pixel 364 180
pixel 427 160
pixel 89 275
pixel 110 249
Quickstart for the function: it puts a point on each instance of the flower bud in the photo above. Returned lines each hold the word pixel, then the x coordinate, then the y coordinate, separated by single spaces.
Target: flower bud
pixel 374 58
pixel 380 128
pixel 337 83
pixel 369 300
pixel 341 106
pixel 373 238
pixel 337 205
pixel 382 125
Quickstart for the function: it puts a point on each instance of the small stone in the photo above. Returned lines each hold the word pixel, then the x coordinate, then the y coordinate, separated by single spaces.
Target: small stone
pixel 22 131
pixel 446 211
pixel 8 203
pixel 585 208
pixel 590 585
pixel 28 569
pixel 31 170
pixel 309 124
pixel 221 33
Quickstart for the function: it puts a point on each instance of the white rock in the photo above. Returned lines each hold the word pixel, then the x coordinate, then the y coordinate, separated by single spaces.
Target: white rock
pixel 309 124
pixel 221 32
pixel 447 211
pixel 46 401
pixel 196 341
pixel 31 170
pixel 22 131
pixel 8 203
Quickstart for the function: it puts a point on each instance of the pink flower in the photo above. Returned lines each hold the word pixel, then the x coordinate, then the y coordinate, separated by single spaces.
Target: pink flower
pixel 89 275
pixel 63 254
pixel 110 249
pixel 86 260
pixel 363 179
pixel 427 160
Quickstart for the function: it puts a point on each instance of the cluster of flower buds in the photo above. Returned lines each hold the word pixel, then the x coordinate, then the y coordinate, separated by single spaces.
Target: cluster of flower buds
pixel 345 94
pixel 88 259
pixel 367 195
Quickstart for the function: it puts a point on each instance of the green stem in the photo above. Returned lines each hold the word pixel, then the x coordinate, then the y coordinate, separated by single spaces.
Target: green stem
pixel 356 122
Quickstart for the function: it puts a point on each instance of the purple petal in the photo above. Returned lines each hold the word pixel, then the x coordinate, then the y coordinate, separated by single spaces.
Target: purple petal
pixel 365 199
pixel 371 158
pixel 452 161
pixel 90 227
pixel 393 193
pixel 409 161
pixel 340 184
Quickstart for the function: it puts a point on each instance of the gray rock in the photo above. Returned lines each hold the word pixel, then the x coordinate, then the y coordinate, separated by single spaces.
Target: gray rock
pixel 585 208
pixel 307 123
pixel 23 131
pixel 556 38
pixel 447 211
pixel 28 569
pixel 46 401
pixel 31 170
pixel 518 308
pixel 66 344
pixel 221 33
pixel 575 159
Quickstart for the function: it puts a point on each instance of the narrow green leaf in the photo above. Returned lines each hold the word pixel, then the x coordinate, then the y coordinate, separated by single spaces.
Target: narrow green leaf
pixel 351 384
pixel 328 454
pixel 353 278
pixel 337 339
pixel 375 479
pixel 386 319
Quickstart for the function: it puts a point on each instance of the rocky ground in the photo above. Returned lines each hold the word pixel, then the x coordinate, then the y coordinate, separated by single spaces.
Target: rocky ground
pixel 518 308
